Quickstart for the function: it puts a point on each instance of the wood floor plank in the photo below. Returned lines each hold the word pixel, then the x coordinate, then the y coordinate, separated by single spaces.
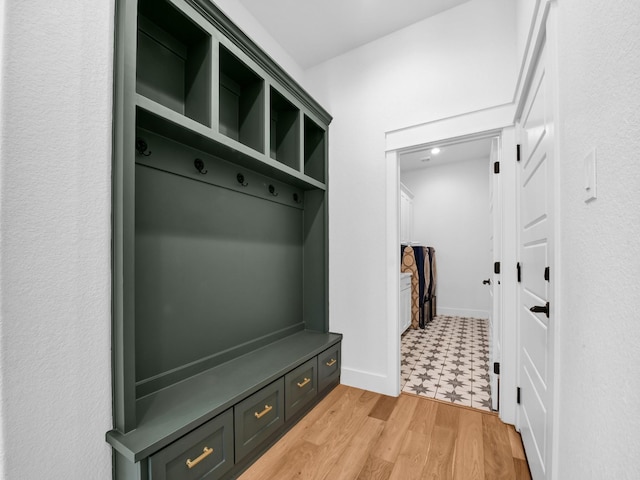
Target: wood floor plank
pixel 383 408
pixel 342 432
pixel 338 413
pixel 522 469
pixel 388 445
pixel 469 451
pixel 517 450
pixel 412 457
pixel 375 469
pixel 353 457
pixel 439 463
pixel 498 461
pixel 424 418
pixel 342 438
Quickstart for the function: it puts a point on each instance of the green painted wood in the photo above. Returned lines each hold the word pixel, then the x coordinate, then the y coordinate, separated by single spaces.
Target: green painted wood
pixel 241 109
pixel 214 269
pixel 197 344
pixel 174 61
pixel 301 387
pixel 284 130
pixel 328 370
pixel 123 469
pixel 170 463
pixel 258 417
pixel 222 23
pixel 164 121
pixel 123 179
pixel 314 150
pixel 315 305
pixel 171 413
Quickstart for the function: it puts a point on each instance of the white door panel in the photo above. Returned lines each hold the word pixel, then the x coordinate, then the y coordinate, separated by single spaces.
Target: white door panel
pixel 535 247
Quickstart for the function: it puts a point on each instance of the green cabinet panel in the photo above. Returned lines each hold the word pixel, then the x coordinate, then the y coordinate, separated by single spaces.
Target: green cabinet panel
pixel 205 453
pixel 257 417
pixel 301 387
pixel 328 367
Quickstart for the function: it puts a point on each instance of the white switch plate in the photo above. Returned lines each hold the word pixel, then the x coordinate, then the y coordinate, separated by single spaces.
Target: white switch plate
pixel 590 176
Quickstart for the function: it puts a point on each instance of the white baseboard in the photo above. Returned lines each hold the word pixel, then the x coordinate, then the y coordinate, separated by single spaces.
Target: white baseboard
pixel 371 381
pixel 463 312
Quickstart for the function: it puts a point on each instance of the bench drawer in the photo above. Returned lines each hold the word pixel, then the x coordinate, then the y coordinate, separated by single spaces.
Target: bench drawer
pixel 328 367
pixel 301 387
pixel 205 453
pixel 257 417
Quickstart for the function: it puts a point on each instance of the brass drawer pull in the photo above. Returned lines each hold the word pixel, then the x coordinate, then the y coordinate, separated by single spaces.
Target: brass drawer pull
pixel 205 453
pixel 304 382
pixel 331 363
pixel 267 409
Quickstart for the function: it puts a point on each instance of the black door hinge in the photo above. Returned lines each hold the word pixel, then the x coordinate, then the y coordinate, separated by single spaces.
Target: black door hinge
pixel 518 396
pixel 496 368
pixel 546 274
pixel 496 167
pixel 519 270
pixel 496 267
pixel 518 152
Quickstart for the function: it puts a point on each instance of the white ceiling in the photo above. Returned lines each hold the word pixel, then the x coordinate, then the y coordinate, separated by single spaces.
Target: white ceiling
pixel 313 31
pixel 458 152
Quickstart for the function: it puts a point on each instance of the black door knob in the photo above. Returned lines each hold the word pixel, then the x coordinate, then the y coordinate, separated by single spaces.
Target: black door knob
pixel 541 309
pixel 486 282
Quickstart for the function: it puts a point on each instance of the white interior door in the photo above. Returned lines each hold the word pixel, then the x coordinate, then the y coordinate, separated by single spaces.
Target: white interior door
pixel 536 312
pixel 495 290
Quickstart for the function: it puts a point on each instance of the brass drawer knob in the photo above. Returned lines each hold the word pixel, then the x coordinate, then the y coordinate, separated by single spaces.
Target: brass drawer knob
pixel 205 453
pixel 267 409
pixel 331 363
pixel 303 383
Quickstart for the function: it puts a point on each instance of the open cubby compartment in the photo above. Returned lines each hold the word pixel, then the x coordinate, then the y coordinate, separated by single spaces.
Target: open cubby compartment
pixel 241 101
pixel 314 150
pixel 173 62
pixel 284 130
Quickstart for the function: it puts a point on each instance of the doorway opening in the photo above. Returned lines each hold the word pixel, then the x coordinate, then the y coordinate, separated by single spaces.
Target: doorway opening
pixel 447 201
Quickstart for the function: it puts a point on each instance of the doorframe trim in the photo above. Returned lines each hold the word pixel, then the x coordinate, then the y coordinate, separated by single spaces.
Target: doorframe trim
pixel 493 121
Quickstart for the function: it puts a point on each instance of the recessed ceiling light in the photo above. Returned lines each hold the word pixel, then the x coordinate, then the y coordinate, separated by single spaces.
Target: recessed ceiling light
pixel 435 151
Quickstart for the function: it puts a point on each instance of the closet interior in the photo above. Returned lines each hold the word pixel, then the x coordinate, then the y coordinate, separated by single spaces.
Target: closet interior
pixel 444 311
pixel 221 335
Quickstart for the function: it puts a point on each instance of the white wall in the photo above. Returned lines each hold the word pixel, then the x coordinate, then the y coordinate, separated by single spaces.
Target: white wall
pixel 451 214
pixel 599 69
pixel 55 239
pixel 459 61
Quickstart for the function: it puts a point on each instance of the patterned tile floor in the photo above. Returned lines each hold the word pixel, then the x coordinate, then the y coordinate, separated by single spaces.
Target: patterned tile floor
pixel 448 360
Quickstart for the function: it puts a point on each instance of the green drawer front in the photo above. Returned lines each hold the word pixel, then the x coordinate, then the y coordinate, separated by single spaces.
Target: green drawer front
pixel 301 387
pixel 328 367
pixel 257 417
pixel 208 449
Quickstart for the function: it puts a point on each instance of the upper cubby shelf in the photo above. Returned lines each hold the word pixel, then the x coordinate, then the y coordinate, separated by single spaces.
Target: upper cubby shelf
pixel 173 65
pixel 241 106
pixel 224 93
pixel 284 130
pixel 314 150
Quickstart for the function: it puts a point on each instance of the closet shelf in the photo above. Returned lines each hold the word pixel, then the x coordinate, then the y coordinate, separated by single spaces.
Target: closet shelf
pixel 165 121
pixel 165 416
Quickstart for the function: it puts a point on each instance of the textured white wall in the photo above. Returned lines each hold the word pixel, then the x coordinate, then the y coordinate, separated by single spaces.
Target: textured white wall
pixel 55 238
pixel 451 214
pixel 459 61
pixel 599 69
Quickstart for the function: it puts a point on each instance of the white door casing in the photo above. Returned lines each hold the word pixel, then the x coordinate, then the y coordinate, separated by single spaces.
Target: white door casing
pixel 495 290
pixel 536 253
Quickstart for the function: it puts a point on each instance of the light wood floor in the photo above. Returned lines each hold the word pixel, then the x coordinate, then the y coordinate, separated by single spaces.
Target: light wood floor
pixel 355 434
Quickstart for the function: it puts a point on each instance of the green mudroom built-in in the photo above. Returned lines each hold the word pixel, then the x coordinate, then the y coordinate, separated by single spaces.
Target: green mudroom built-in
pixel 221 335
